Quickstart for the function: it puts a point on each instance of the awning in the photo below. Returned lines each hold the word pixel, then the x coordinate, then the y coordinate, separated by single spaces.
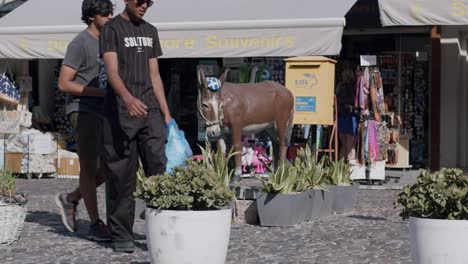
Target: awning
pixel 423 12
pixel 7 6
pixel 208 28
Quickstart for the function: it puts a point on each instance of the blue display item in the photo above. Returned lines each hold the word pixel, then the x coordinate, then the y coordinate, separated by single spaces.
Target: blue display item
pixel 213 84
pixel 306 104
pixel 8 88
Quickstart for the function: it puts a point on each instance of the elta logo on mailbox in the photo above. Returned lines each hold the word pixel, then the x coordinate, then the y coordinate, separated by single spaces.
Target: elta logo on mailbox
pixel 309 81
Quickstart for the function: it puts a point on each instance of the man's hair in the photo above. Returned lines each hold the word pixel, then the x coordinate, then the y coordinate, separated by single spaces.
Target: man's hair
pixel 91 8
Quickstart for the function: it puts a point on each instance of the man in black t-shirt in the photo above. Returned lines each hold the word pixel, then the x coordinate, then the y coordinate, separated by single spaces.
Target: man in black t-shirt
pixel 135 112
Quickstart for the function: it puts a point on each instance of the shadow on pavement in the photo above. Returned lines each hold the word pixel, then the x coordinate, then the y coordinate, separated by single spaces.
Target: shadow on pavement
pixel 364 217
pixel 54 222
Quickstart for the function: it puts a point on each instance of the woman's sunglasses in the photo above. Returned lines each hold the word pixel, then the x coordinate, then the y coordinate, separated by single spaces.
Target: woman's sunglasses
pixel 142 2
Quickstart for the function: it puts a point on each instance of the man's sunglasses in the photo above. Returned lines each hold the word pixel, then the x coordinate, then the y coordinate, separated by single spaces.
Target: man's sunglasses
pixel 142 2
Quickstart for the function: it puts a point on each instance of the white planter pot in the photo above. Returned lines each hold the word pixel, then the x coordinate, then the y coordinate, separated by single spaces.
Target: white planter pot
pixel 188 236
pixel 438 241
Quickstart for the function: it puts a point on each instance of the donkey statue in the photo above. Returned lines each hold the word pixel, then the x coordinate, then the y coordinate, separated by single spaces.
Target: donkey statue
pixel 245 108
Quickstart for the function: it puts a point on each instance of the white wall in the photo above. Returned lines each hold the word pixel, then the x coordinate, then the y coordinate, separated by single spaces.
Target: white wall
pixel 454 99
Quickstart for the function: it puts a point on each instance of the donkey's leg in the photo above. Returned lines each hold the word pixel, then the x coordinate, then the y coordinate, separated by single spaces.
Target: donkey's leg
pixel 275 144
pixel 281 128
pixel 221 145
pixel 236 134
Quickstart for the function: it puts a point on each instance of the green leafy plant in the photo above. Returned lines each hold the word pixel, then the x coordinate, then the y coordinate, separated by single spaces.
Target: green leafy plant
pixel 282 180
pixel 312 172
pixel 339 172
pixel 303 174
pixel 196 186
pixel 7 184
pixel 439 195
pixel 218 162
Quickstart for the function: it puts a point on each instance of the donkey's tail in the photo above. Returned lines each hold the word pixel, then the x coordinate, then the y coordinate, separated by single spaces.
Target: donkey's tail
pixel 289 128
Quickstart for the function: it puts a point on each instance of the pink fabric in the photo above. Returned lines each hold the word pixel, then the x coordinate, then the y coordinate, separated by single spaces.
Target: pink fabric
pixel 364 90
pixel 373 141
pixel 197 157
pixel 366 81
pixel 362 96
pixel 258 161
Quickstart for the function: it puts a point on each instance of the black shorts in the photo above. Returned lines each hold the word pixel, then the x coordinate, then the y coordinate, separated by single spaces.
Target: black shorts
pixel 88 131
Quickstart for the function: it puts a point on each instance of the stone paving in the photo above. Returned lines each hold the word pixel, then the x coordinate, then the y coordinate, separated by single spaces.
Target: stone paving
pixel 372 233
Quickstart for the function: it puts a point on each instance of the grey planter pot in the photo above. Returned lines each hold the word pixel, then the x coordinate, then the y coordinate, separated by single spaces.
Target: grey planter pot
pixel 344 198
pixel 315 205
pixel 282 209
pixel 328 198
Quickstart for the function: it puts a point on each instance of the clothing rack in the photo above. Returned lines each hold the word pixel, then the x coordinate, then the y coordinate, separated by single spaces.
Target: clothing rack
pixel 360 69
pixel 370 152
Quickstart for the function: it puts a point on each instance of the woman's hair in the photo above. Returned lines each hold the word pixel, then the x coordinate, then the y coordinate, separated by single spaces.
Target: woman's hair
pixel 347 75
pixel 91 8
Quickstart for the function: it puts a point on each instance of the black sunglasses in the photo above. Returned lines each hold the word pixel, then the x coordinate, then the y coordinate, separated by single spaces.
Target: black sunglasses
pixel 142 2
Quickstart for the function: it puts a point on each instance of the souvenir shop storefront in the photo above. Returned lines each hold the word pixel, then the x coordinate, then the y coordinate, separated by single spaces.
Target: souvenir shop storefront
pixel 399 60
pixel 251 43
pixel 423 47
pixel 402 62
pixel 448 92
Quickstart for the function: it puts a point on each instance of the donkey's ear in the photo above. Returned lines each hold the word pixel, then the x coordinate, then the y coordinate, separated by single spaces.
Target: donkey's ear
pixel 201 78
pixel 223 77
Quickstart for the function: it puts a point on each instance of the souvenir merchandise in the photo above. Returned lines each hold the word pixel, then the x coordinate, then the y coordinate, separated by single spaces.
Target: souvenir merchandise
pixel 9 92
pixel 255 156
pixel 39 151
pixel 9 122
pixel 418 141
pixel 263 69
pixel 370 102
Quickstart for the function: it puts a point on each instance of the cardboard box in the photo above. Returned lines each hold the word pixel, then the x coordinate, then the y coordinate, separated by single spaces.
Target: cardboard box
pixel 13 162
pixel 68 166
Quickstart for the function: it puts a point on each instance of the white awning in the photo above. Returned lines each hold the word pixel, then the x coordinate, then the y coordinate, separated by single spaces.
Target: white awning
pixel 188 28
pixel 423 12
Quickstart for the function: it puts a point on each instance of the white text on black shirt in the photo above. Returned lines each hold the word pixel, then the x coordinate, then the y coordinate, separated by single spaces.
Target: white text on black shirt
pixel 138 42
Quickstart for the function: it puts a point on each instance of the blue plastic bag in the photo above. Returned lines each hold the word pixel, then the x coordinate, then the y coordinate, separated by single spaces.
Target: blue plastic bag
pixel 177 148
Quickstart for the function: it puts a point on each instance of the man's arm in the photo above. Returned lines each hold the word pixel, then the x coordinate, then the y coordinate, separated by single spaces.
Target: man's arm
pixel 134 106
pixel 158 89
pixel 67 84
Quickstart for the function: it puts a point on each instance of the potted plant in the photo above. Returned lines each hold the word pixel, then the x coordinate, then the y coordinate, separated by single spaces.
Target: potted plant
pixel 314 174
pixel 341 187
pixel 437 208
pixel 187 216
pixel 284 199
pixel 13 209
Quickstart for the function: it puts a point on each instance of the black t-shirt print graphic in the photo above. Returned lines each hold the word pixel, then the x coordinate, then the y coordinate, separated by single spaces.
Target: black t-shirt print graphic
pixel 135 45
pixel 138 42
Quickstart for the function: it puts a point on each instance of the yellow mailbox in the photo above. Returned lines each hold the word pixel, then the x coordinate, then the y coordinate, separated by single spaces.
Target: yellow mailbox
pixel 312 81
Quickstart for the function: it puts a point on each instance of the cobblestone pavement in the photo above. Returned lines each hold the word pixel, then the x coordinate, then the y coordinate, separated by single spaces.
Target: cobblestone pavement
pixel 372 233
